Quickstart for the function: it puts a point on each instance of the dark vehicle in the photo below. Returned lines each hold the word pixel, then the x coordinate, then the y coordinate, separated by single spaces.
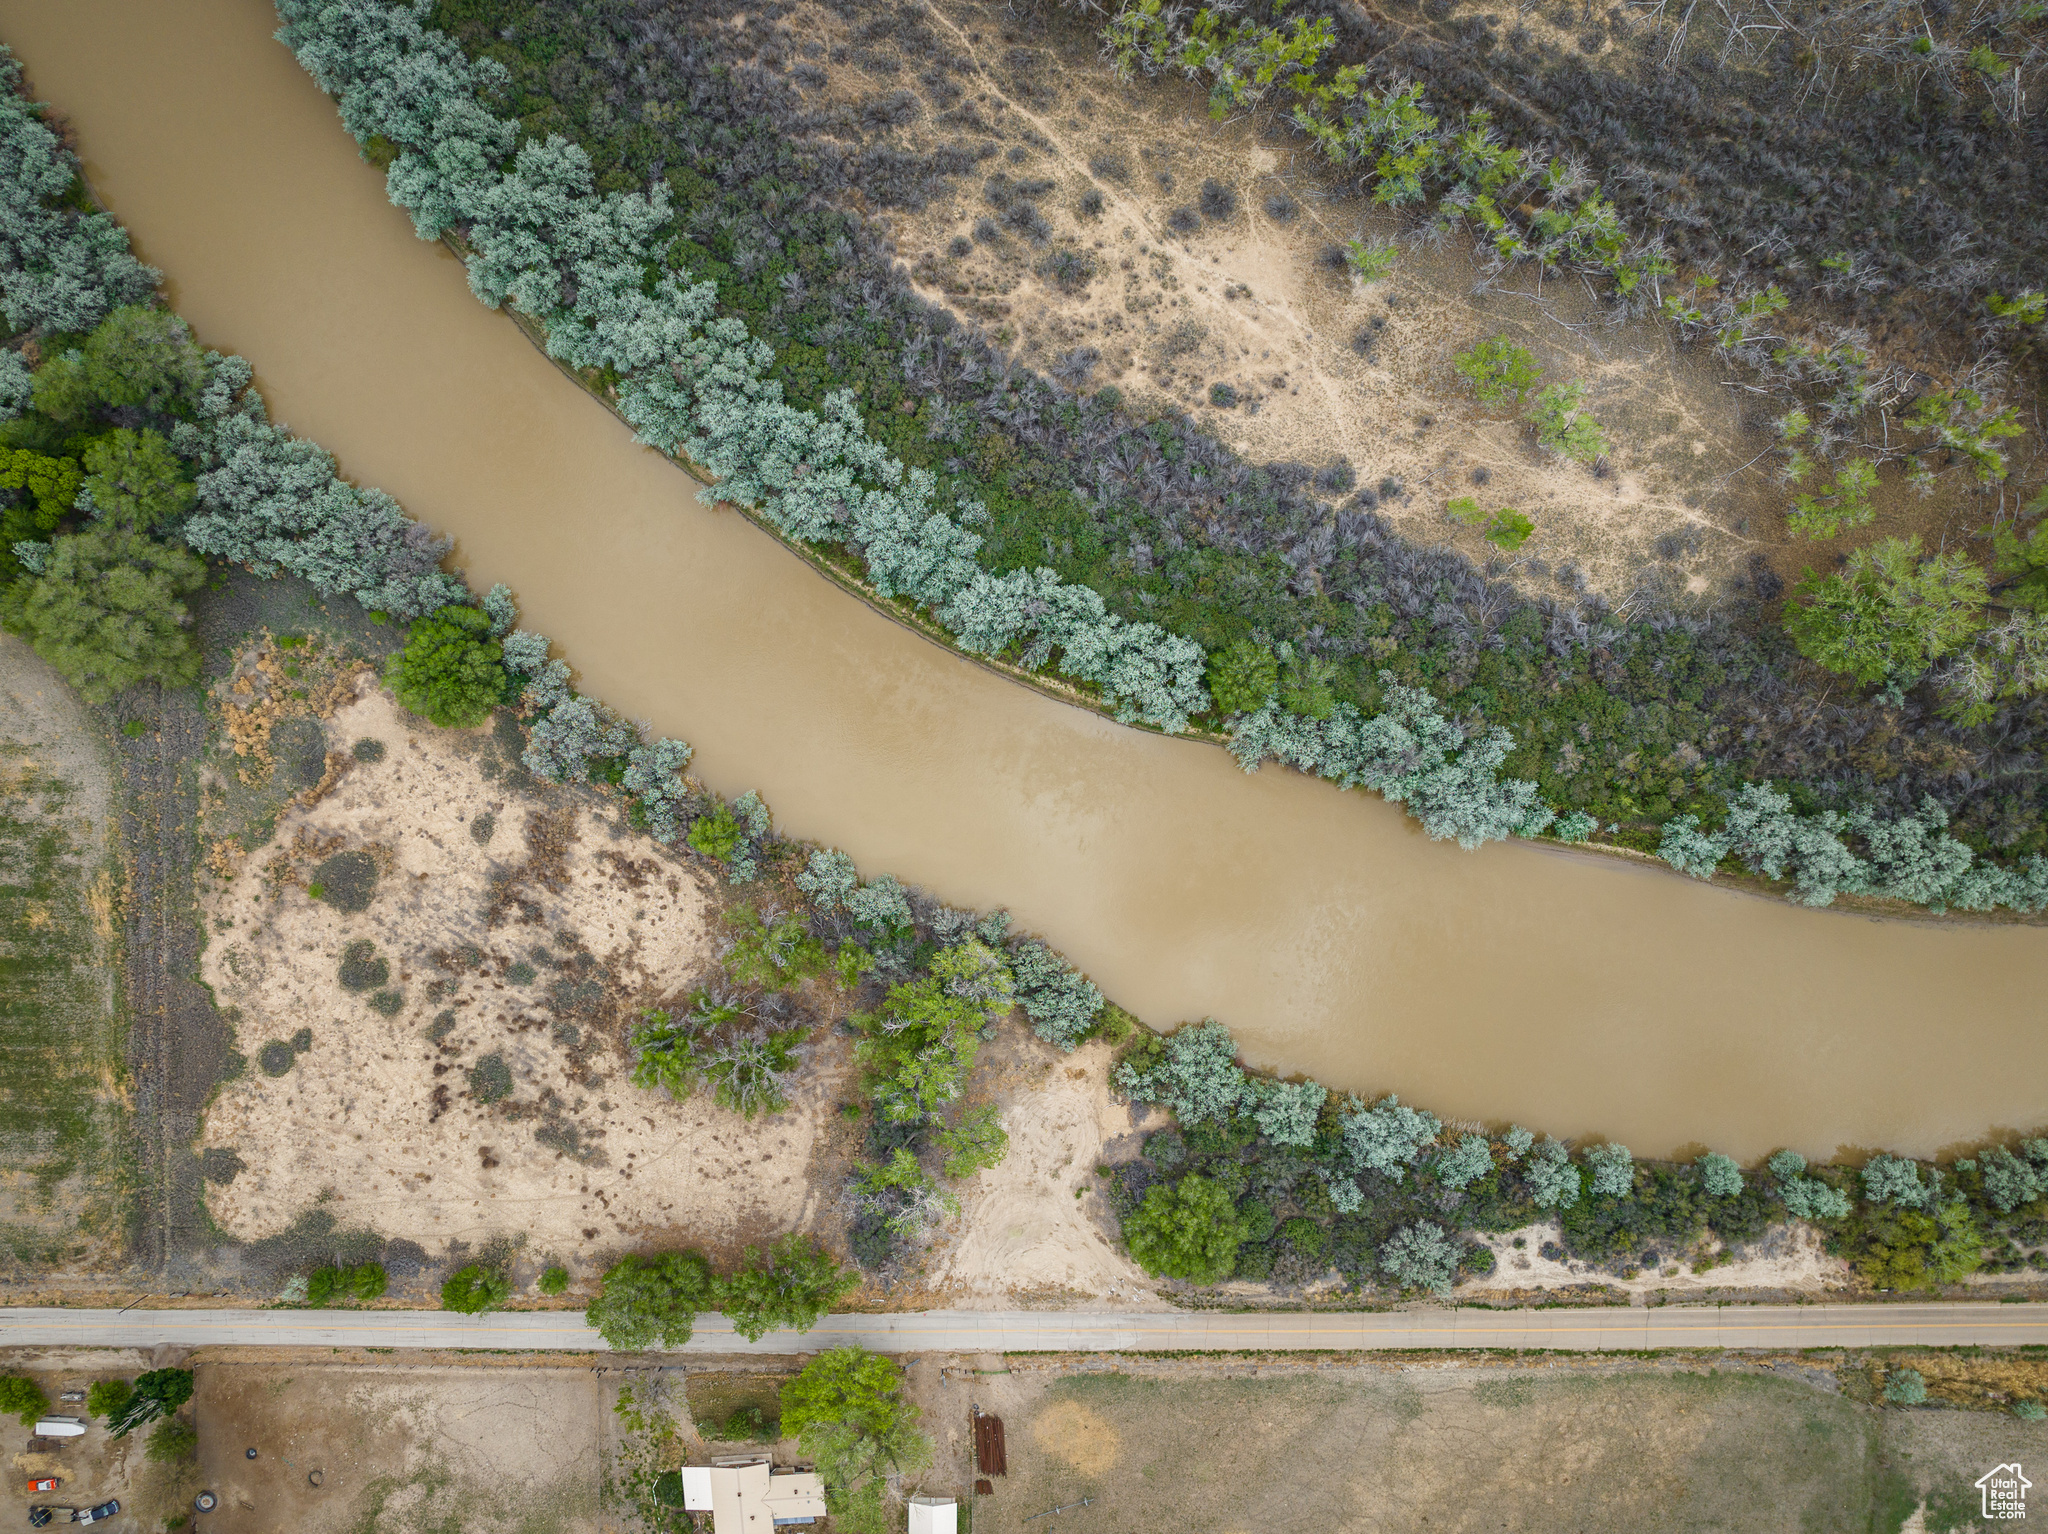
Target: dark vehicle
pixel 38 1516
pixel 98 1514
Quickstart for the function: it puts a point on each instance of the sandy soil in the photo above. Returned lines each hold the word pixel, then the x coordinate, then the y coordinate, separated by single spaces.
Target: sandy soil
pixel 1325 367
pixel 401 1449
pixel 1023 1236
pixel 572 926
pixel 1789 1257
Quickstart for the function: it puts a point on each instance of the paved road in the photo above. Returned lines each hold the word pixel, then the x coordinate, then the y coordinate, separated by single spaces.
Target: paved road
pixel 1023 1331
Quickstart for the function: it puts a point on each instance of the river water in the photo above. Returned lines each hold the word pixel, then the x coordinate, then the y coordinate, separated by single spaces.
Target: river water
pixel 1573 994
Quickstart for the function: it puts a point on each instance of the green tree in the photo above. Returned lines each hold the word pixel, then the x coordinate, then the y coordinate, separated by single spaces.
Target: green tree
pixel 649 1301
pixel 105 1398
pixel 1189 1229
pixel 106 611
pixel 44 489
pixel 795 1285
pixel 135 478
pixel 848 1410
pixel 1889 612
pixel 157 1393
pixel 139 358
pixel 475 1289
pixel 450 670
pixel 171 1442
pixel 1243 676
pixel 1500 372
pixel 977 1142
pixel 22 1397
pixel 555 1280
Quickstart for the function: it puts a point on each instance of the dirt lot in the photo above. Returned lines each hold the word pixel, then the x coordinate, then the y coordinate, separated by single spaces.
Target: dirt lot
pixel 67 1185
pixel 1549 1444
pixel 402 1449
pixel 92 1469
pixel 1024 1236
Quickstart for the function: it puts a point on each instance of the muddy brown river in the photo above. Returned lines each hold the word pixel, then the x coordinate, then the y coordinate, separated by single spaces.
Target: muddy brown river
pixel 1568 992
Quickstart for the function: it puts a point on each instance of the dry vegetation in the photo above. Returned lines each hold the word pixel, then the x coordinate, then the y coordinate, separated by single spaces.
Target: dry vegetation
pixel 1124 239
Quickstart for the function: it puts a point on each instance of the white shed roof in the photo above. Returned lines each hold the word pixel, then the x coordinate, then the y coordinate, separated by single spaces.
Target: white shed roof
pixel 934 1515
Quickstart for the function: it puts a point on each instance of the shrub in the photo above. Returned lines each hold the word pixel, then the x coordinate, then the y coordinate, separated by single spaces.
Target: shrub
pixel 1387 1137
pixel 368 749
pixel 276 1057
pixel 1373 260
pixel 388 1003
pixel 347 881
pixel 1554 1183
pixel 172 1441
pixel 1061 1002
pixel 157 1393
pixel 22 1397
pixel 104 1398
pixel 1305 1236
pixel 555 1280
pixel 1500 372
pixel 1188 1230
pixel 1894 1180
pixel 2029 1411
pixel 1222 395
pixel 1563 426
pixel 1905 1387
pixel 1844 504
pixel 1613 1170
pixel 474 1289
pixel 650 1301
pixel 1198 1078
pixel 362 968
pixel 450 670
pixel 490 1079
pixel 1465 1163
pixel 1286 1111
pixel 1420 1256
pixel 1719 1175
pixel 793 1287
pixel 368 1281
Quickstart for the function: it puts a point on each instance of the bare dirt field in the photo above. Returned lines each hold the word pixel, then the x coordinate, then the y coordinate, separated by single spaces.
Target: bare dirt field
pixel 67 1184
pixel 474 1085
pixel 1444 1444
pixel 402 1450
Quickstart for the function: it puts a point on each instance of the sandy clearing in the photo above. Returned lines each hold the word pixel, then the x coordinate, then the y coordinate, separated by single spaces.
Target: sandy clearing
pixel 378 1121
pixel 1023 1236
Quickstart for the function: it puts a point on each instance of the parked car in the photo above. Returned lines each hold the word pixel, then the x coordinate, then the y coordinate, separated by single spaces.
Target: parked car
pixel 96 1514
pixel 42 1483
